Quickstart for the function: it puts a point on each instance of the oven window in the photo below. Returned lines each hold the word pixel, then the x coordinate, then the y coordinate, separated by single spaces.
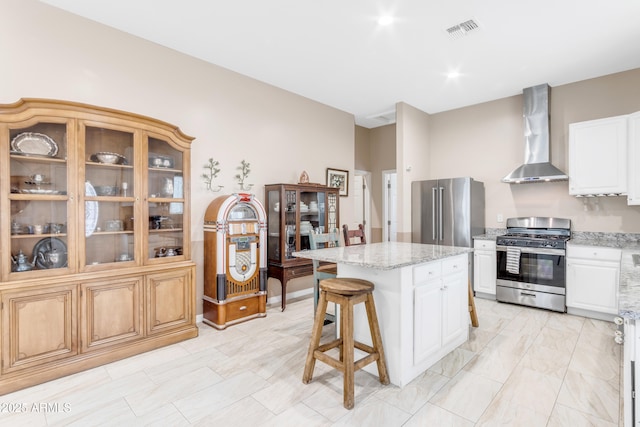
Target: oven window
pixel 537 269
pixel 545 269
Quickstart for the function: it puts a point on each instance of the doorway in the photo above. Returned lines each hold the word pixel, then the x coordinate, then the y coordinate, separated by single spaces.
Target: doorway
pixel 389 206
pixel 362 200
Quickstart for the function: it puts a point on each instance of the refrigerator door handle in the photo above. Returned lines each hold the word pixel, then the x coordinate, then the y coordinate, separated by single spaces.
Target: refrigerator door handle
pixel 440 221
pixel 433 213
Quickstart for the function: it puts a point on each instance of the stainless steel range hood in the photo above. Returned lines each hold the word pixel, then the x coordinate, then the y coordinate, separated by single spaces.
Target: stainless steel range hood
pixel 536 167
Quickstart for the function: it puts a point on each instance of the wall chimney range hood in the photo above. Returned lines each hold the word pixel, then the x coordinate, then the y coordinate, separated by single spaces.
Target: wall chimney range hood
pixel 536 167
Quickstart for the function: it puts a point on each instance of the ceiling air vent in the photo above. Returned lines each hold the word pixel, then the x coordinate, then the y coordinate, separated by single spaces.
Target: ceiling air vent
pixel 462 29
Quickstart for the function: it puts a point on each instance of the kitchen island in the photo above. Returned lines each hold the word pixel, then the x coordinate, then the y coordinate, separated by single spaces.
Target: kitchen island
pixel 421 297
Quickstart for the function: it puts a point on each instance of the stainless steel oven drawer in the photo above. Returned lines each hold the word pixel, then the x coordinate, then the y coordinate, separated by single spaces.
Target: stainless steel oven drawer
pixel 553 302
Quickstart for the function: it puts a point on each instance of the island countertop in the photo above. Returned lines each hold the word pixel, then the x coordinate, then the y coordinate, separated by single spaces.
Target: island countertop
pixel 383 256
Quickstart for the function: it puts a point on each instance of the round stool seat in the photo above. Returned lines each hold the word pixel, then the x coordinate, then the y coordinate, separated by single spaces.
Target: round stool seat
pixel 346 286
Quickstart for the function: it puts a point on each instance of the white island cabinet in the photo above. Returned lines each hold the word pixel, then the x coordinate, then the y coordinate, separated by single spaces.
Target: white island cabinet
pixel 421 299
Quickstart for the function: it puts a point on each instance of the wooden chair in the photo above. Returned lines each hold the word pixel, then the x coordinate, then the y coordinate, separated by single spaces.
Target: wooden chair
pixel 323 271
pixel 346 292
pixel 354 234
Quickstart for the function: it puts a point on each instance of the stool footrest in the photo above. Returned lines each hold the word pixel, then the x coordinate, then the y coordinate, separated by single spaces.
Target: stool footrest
pixel 363 347
pixel 330 345
pixel 337 364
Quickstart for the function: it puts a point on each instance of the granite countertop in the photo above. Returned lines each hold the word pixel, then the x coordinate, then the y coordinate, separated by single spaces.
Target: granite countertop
pixel 485 237
pixel 383 256
pixel 629 290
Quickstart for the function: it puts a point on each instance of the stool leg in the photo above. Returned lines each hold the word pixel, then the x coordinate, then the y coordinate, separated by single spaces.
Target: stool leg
pixel 316 334
pixel 347 355
pixel 376 337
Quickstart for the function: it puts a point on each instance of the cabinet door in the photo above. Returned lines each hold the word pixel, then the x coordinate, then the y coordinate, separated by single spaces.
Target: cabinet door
pixel 166 197
pixel 108 202
pixel 593 285
pixel 38 326
pixel 427 320
pixel 38 186
pixel 484 271
pixel 170 300
pixel 275 207
pixel 598 156
pixel 455 305
pixel 634 159
pixel 111 312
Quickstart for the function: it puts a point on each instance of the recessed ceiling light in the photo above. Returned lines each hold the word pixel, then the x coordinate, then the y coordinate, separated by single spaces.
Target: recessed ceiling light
pixel 453 74
pixel 385 20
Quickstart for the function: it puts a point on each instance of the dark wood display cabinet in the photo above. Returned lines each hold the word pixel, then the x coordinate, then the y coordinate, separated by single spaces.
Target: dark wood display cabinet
pixel 96 263
pixel 294 211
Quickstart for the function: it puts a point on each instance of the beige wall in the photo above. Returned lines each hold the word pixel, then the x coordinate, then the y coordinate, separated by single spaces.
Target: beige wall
pixel 49 53
pixel 381 144
pixel 362 149
pixel 486 142
pixel 412 145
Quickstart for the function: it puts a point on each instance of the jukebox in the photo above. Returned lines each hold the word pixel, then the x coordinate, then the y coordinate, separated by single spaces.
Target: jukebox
pixel 235 269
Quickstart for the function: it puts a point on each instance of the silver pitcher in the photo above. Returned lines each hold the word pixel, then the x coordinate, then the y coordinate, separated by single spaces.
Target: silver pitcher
pixel 21 262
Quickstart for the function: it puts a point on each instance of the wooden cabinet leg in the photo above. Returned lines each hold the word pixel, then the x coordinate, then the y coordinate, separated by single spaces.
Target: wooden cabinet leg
pixel 283 281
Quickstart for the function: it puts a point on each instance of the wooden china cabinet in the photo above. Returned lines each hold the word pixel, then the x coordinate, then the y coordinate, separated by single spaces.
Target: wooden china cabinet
pixel 95 261
pixel 294 211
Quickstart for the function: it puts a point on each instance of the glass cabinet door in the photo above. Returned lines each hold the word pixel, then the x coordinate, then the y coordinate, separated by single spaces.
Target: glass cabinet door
pixel 38 197
pixel 109 202
pixel 166 200
pixel 290 217
pixel 273 225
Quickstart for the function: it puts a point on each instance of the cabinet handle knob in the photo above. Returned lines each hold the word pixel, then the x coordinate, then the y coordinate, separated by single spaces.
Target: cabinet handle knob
pixel 244 307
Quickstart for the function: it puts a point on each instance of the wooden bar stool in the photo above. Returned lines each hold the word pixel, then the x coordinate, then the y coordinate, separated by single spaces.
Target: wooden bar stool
pixel 346 292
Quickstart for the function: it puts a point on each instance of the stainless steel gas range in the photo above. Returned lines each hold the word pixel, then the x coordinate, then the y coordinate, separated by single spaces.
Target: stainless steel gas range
pixel 531 266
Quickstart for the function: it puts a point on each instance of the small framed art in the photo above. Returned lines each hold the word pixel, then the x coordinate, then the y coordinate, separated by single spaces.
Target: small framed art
pixel 340 179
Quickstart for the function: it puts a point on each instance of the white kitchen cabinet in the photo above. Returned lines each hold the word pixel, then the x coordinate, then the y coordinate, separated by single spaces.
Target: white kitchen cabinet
pixel 592 281
pixel 440 303
pixel 484 268
pixel 633 197
pixel 598 157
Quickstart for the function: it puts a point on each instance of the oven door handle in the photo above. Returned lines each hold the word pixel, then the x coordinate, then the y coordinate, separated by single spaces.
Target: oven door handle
pixel 541 251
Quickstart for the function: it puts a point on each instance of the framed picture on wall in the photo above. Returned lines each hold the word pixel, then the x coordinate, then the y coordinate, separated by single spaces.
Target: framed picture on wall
pixel 338 178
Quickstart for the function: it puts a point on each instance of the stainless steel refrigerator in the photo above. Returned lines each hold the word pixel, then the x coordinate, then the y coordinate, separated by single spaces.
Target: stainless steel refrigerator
pixel 447 211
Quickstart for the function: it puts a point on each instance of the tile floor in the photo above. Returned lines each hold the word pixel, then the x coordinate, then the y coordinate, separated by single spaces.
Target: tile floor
pixel 521 367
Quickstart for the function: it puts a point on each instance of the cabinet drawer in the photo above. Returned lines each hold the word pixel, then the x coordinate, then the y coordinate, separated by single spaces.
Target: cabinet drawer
pixel 242 308
pixel 298 271
pixel 489 245
pixel 454 265
pixel 426 272
pixel 594 253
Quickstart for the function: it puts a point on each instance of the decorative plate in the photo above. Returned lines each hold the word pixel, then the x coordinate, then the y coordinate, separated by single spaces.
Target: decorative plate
pixel 46 245
pixel 34 143
pixel 37 156
pixel 90 210
pixel 41 191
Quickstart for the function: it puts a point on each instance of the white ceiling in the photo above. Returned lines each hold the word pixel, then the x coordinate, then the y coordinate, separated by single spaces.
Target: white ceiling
pixel 335 52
